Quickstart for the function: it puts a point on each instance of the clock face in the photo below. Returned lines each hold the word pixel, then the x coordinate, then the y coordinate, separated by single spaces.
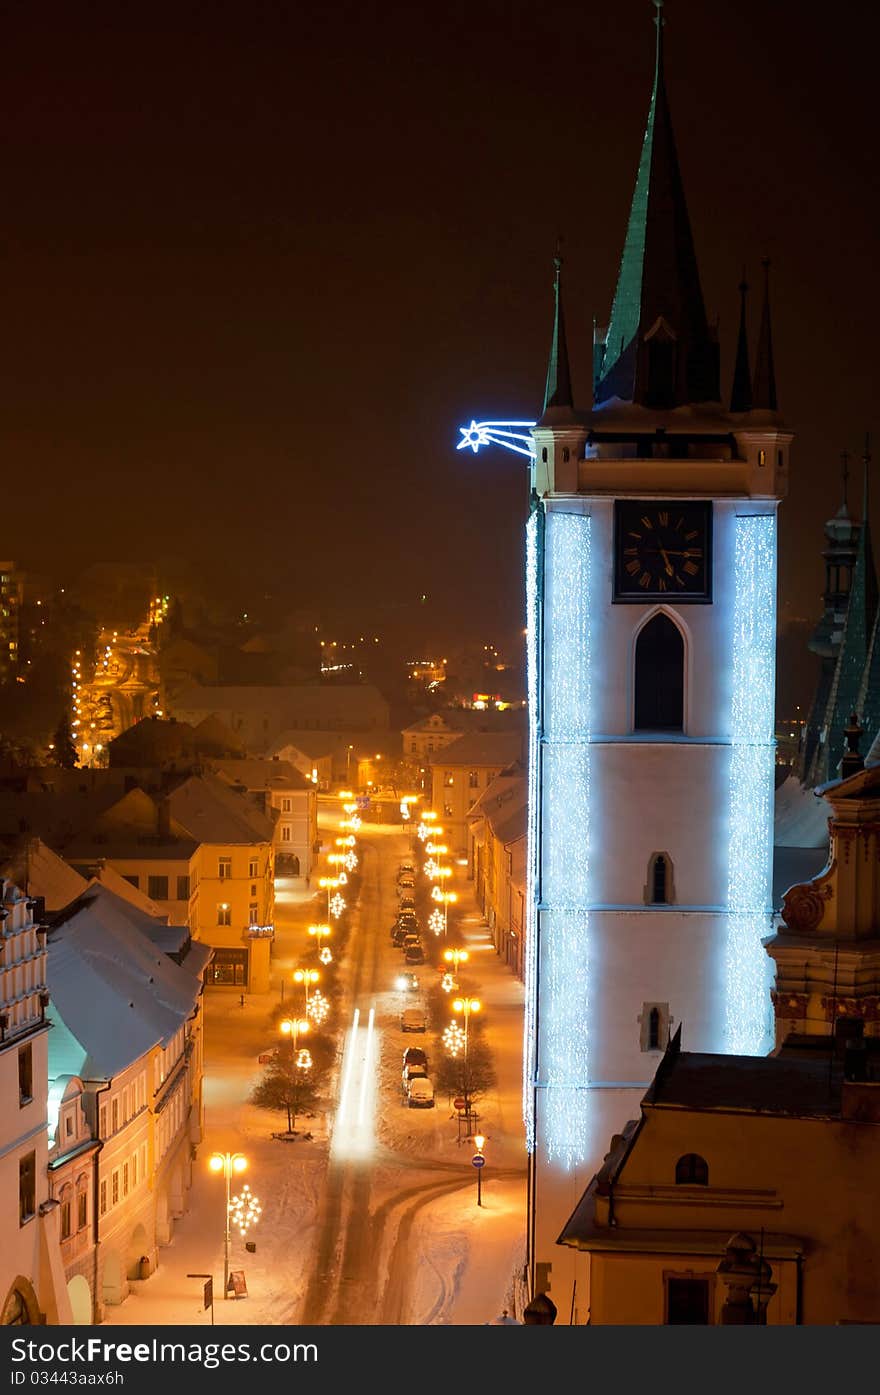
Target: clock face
pixel 663 549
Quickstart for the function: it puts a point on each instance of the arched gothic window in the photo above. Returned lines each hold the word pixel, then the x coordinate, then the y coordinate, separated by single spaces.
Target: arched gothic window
pixel 691 1171
pixel 659 676
pixel 659 881
pixel 654 1029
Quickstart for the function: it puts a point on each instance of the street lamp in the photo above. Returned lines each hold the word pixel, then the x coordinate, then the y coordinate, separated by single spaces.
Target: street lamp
pixel 466 1006
pixel 320 933
pixel 227 1163
pixel 455 957
pixel 330 885
pixel 479 1161
pixel 305 977
pixel 446 899
pixel 293 1028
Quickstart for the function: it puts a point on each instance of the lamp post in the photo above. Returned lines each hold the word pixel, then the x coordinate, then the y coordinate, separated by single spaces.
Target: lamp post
pixel 305 977
pixel 455 957
pixel 478 1161
pixel 294 1028
pixel 330 885
pixel 466 1006
pixel 227 1163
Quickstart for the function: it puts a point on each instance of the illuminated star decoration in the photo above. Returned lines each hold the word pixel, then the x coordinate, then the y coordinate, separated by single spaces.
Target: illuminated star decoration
pixel 244 1210
pixel 318 1007
pixel 453 1039
pixel 337 905
pixel 350 861
pixel 497 433
pixel 435 922
pixel 326 955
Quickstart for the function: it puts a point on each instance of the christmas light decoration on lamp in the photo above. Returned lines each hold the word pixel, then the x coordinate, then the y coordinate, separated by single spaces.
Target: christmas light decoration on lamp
pixel 453 1039
pixel 337 905
pixel 244 1210
pixel 748 967
pixel 318 1007
pixel 435 922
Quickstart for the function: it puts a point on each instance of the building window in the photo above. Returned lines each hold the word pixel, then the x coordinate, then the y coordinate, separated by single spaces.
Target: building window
pixel 414 748
pixel 183 888
pixel 285 806
pixel 27 1187
pixel 285 833
pixel 25 1074
pixel 229 968
pixel 65 1219
pixel 687 1302
pixel 447 778
pixel 224 913
pixel 691 1171
pixel 473 779
pixel 254 867
pixel 659 888
pixel 103 1200
pixel 114 1115
pixel 447 811
pixel 114 1187
pixel 779 459
pixel 157 888
pixel 544 454
pixel 224 868
pixel 253 914
pixel 134 1170
pixel 134 880
pixel 565 454
pixel 125 1179
pixel 659 676
pixel 654 1029
pixel 762 457
pixel 103 1117
pixel 68 1125
pixel 82 1210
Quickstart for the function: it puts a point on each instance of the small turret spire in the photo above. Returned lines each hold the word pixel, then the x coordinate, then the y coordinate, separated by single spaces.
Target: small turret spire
pixel 764 387
pixel 557 389
pixel 741 392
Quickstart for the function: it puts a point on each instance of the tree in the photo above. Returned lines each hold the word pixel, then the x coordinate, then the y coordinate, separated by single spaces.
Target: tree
pixel 470 1077
pixel 285 1087
pixel 64 751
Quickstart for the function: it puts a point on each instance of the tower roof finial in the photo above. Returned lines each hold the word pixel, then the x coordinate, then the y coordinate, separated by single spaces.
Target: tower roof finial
pixel 660 22
pixel 557 388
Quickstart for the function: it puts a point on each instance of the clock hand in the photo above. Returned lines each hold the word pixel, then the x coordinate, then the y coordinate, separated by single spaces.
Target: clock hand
pixel 666 561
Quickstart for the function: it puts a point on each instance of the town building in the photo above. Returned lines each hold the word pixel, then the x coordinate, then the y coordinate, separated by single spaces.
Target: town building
pixel 651 597
pixel 258 715
pixel 128 1079
pixel 11 596
pixel 460 773
pixel 498 825
pixel 33 1288
pixel 282 792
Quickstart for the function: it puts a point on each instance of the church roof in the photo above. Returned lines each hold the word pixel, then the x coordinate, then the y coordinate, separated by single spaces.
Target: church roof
pixel 558 400
pixel 658 286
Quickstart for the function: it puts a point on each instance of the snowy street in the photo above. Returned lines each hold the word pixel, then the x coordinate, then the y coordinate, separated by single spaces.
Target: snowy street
pixel 373 1219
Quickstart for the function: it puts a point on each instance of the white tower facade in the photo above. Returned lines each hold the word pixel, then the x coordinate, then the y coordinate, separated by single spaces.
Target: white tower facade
pixel 651 594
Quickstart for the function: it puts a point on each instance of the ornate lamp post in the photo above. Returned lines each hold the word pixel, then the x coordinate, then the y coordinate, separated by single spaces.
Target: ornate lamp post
pixel 227 1163
pixel 466 1006
pixel 306 977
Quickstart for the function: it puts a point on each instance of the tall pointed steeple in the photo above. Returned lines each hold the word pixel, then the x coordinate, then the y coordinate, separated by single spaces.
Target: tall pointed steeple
pixel 741 392
pixel 557 389
pixel 659 350
pixel 848 689
pixel 764 386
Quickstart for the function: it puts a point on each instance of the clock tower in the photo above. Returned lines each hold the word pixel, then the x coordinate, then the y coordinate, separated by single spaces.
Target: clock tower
pixel 651 595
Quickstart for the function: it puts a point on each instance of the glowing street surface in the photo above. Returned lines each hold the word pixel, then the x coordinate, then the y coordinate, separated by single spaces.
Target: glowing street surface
pixel 354 1129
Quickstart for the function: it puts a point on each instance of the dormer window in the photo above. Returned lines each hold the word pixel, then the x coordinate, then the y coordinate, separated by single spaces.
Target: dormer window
pixel 691 1171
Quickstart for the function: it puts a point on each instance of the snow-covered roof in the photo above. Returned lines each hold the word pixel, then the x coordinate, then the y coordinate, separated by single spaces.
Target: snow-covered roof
pixel 41 872
pixel 101 951
pixel 481 748
pixel 212 812
pixel 800 817
pixel 257 774
pixel 114 881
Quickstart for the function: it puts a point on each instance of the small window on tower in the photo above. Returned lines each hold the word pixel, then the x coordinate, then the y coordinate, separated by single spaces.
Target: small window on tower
pixel 565 453
pixel 544 455
pixel 762 457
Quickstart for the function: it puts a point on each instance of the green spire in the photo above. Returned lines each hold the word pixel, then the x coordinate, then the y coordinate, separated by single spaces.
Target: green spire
pixel 557 389
pixel 741 393
pixel 764 387
pixel 851 688
pixel 658 293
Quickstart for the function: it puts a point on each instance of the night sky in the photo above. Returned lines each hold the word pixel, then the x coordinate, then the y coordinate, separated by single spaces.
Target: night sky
pixel 260 261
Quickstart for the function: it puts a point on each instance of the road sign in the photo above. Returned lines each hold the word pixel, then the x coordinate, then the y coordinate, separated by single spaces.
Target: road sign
pixel 478 1160
pixel 208 1294
pixel 459 1103
pixel 363 801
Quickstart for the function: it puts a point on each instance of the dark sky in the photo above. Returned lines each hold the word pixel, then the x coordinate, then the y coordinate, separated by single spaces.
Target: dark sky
pixel 261 260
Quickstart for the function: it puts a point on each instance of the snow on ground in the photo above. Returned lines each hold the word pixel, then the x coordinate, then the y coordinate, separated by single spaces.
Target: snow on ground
pixel 464 1256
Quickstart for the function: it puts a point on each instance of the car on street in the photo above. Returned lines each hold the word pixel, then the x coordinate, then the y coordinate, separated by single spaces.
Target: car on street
pixel 420 1093
pixel 406 884
pixel 405 870
pixel 409 921
pixel 413 1072
pixel 407 903
pixel 398 935
pixel 407 982
pixel 413 1020
pixel 414 954
pixel 415 1056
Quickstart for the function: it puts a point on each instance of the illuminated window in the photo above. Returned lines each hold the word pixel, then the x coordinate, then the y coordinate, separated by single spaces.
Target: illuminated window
pixel 659 677
pixel 691 1171
pixel 448 778
pixel 253 867
pixel 762 457
pixel 473 779
pixel 224 914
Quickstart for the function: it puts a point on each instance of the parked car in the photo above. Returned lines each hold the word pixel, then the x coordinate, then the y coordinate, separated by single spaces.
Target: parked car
pixel 413 1072
pixel 406 869
pixel 405 884
pixel 407 903
pixel 415 1056
pixel 398 935
pixel 413 1020
pixel 409 921
pixel 420 1093
pixel 414 954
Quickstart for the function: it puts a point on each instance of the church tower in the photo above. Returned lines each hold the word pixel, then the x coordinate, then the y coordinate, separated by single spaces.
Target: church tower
pixel 651 595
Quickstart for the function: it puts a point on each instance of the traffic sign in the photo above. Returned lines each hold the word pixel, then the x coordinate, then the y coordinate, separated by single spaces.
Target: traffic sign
pixel 478 1160
pixel 363 801
pixel 459 1103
